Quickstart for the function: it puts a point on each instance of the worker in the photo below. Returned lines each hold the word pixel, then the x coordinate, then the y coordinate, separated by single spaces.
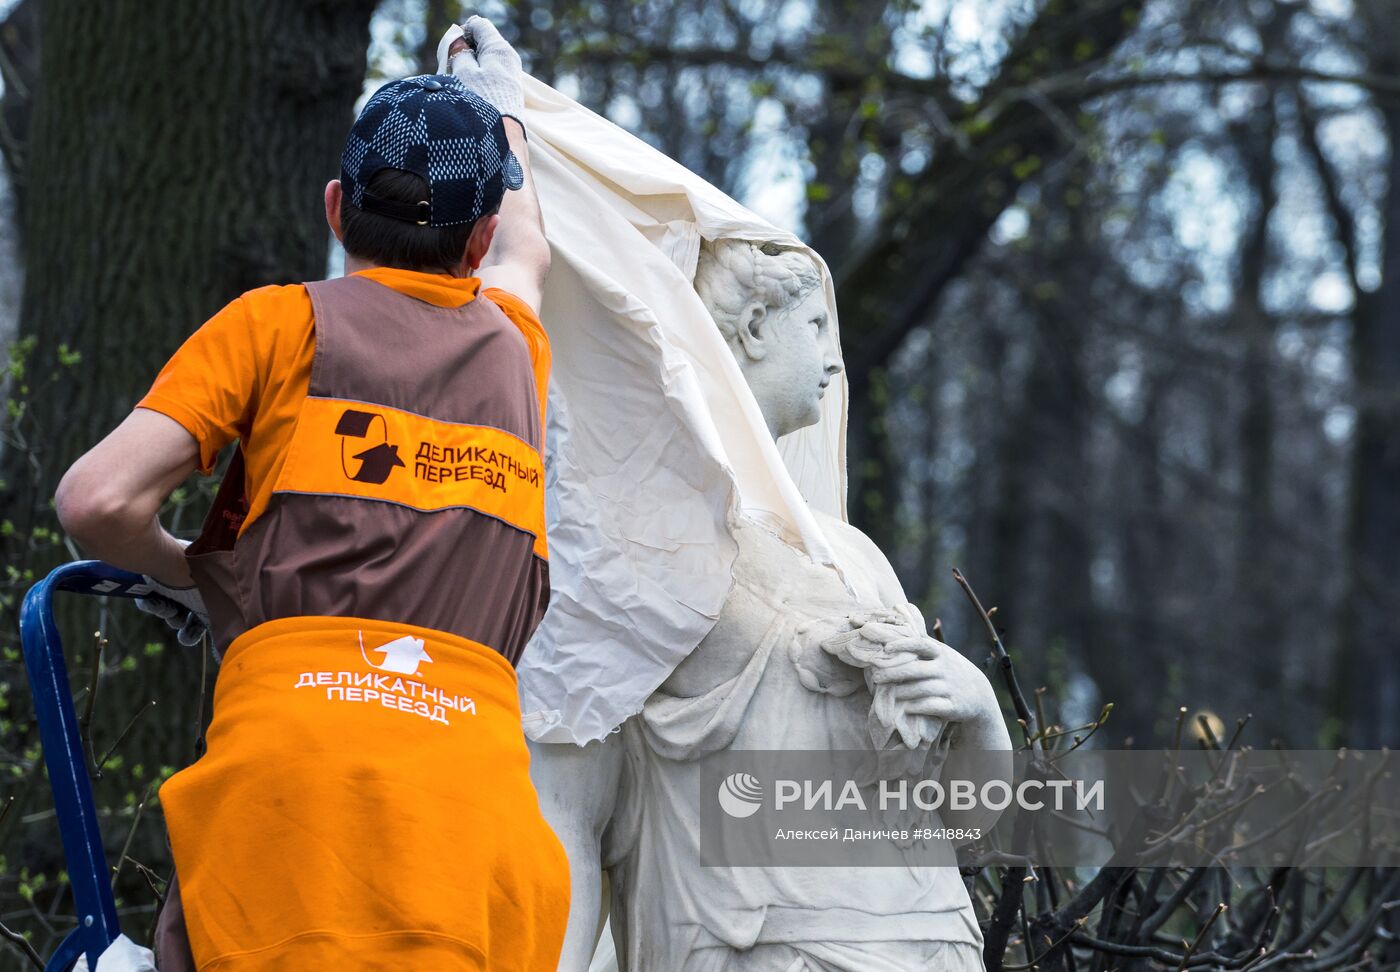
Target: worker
pixel 373 565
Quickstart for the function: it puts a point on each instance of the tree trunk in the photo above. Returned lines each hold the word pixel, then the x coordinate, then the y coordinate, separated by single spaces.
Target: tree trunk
pixel 1366 697
pixel 1058 463
pixel 19 68
pixel 1256 626
pixel 1138 654
pixel 176 159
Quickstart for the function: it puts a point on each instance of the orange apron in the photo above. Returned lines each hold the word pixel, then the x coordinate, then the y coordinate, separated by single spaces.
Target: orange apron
pixel 365 803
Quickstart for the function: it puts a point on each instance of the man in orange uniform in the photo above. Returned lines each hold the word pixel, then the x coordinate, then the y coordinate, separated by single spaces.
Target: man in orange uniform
pixel 373 565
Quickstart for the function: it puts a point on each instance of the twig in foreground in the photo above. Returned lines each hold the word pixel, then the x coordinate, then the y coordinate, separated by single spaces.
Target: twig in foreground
pixel 22 943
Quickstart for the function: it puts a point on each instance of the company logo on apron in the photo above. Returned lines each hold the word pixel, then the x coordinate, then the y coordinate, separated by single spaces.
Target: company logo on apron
pixel 375 462
pixel 393 683
pixel 401 656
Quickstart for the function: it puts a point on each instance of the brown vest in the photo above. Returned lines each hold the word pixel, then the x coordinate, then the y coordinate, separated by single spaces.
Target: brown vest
pixel 413 490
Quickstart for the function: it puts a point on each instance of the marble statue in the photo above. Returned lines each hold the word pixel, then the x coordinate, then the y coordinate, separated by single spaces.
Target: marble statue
pixel 797 660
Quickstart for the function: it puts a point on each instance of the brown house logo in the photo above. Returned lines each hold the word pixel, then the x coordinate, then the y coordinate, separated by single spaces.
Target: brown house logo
pixel 364 439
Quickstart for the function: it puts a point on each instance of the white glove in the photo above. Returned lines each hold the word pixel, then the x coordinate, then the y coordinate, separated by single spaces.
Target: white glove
pixel 123 955
pixel 180 607
pixel 489 68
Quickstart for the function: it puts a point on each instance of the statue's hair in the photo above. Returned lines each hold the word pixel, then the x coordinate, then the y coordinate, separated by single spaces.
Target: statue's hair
pixel 731 273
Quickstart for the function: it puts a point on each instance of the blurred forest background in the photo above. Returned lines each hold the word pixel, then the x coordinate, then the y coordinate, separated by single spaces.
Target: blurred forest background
pixel 1119 287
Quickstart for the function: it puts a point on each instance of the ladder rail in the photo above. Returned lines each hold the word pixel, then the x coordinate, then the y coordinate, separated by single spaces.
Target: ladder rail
pixel 74 806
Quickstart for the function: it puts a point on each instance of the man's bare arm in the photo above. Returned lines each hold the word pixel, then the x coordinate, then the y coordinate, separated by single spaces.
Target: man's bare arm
pixel 109 499
pixel 519 255
pixel 487 65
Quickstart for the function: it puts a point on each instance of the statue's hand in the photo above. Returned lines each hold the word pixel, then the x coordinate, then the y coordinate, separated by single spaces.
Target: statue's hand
pixel 934 679
pixel 917 683
pixel 837 655
pixel 831 653
pixel 819 669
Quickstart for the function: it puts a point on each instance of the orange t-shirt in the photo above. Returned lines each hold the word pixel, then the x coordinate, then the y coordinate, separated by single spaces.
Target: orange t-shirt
pixel 244 374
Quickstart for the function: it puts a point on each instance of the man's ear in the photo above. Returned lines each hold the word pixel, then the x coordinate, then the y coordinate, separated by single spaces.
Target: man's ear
pixel 480 240
pixel 334 195
pixel 751 329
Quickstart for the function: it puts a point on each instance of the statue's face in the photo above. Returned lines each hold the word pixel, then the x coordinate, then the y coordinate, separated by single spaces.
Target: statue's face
pixel 798 358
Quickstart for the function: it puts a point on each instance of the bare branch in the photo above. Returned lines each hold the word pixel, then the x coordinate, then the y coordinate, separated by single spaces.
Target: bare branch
pixel 1003 660
pixel 22 943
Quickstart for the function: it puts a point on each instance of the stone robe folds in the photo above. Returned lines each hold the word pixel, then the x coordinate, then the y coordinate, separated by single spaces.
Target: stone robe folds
pixel 731 918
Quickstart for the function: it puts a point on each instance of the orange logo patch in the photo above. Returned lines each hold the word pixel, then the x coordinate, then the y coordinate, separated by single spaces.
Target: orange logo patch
pixel 349 449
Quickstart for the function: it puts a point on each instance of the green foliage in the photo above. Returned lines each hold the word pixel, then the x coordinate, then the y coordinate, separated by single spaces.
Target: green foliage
pixel 17 356
pixel 115 672
pixel 1023 169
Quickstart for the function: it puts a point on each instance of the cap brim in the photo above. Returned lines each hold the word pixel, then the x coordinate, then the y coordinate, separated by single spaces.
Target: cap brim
pixel 511 172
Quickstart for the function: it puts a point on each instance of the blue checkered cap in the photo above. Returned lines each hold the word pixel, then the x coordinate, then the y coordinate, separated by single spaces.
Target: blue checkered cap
pixel 432 126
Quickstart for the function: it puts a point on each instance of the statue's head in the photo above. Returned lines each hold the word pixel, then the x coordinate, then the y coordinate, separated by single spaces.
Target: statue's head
pixel 769 304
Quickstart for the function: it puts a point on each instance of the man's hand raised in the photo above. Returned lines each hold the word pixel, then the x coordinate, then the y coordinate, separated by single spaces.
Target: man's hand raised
pixel 484 61
pixel 518 259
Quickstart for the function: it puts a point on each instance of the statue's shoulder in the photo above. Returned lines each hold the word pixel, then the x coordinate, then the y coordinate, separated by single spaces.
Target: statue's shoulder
pixel 768 559
pixel 855 548
pixel 838 531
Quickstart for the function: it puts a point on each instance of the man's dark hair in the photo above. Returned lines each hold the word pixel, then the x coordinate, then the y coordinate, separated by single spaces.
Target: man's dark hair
pixel 391 242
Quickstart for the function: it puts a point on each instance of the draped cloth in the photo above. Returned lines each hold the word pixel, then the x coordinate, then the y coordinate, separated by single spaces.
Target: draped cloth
pixel 655 442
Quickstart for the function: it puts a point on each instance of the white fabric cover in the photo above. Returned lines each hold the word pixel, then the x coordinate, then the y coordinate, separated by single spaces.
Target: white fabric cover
pixel 655 442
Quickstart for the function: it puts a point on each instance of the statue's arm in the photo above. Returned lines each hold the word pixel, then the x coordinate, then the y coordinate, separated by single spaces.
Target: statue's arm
pixel 951 688
pixel 986 729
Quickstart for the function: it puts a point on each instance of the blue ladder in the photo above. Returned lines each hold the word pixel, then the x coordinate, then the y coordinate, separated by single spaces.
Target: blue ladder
pixel 63 753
